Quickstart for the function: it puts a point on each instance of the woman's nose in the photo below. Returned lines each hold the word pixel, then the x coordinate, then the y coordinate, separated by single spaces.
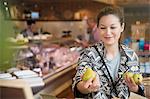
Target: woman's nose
pixel 108 31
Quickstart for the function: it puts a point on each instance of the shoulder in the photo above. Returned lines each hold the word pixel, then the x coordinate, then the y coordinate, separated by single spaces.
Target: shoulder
pixel 91 48
pixel 133 61
pixel 89 56
pixel 129 52
pixel 126 48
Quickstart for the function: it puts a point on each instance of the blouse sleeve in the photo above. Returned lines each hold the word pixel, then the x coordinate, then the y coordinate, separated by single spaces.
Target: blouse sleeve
pixel 84 61
pixel 133 63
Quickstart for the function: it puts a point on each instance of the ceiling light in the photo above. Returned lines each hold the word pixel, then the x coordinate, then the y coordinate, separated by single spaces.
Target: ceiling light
pixel 6 8
pixel 5 3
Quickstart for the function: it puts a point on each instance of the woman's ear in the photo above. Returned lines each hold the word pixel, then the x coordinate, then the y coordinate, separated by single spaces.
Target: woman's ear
pixel 122 27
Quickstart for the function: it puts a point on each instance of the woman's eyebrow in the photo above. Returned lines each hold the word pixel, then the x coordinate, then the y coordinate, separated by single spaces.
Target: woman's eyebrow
pixel 105 25
pixel 102 25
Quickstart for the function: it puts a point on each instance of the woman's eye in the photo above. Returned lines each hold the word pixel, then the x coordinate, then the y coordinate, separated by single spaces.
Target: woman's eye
pixel 102 28
pixel 112 27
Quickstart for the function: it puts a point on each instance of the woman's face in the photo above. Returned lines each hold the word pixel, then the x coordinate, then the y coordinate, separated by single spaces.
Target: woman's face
pixel 110 29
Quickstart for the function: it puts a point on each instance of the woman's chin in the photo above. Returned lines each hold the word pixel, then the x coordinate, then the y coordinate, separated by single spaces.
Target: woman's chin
pixel 109 43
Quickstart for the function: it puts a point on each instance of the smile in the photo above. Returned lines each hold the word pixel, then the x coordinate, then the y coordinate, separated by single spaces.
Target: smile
pixel 107 37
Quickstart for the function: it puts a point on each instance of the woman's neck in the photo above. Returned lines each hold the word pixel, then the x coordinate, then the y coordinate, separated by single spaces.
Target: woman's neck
pixel 111 51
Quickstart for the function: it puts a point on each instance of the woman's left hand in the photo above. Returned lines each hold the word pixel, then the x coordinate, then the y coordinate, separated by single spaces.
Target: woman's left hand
pixel 131 84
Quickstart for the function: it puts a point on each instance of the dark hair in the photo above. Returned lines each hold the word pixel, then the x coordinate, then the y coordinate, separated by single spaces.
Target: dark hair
pixel 30 22
pixel 117 11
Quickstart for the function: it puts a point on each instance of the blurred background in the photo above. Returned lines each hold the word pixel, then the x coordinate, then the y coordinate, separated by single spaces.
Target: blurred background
pixel 61 29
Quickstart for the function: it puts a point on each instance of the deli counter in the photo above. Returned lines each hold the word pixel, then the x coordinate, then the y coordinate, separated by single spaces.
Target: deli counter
pixel 48 67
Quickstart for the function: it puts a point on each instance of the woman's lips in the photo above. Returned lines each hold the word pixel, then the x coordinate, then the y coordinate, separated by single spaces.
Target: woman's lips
pixel 107 37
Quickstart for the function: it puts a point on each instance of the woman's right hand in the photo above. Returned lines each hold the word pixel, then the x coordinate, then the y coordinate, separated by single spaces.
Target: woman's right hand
pixel 91 85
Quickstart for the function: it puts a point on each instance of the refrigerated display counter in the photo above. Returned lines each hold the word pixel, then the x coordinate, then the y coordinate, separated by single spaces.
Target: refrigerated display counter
pixel 57 82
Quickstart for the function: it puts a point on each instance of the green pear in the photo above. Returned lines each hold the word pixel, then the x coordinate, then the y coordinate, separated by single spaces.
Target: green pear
pixel 128 74
pixel 138 78
pixel 89 73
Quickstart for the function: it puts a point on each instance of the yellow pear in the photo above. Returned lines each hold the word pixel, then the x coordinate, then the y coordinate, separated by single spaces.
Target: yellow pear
pixel 89 73
pixel 138 78
pixel 128 74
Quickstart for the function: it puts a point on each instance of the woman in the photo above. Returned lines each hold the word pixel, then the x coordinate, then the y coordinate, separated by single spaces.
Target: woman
pixel 110 60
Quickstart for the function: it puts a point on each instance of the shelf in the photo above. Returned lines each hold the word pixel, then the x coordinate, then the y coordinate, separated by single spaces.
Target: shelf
pixel 111 2
pixel 42 20
pixel 143 53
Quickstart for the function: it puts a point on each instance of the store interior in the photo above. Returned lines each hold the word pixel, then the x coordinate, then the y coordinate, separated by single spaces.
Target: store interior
pixel 47 60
